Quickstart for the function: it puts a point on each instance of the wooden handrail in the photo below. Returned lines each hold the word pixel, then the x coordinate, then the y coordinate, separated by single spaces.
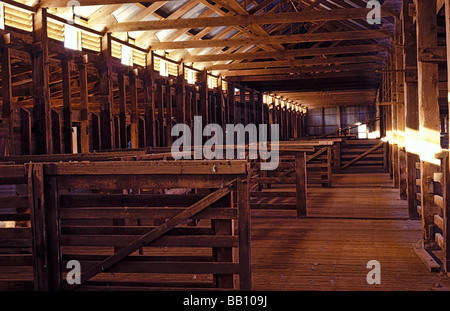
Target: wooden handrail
pixel 352 126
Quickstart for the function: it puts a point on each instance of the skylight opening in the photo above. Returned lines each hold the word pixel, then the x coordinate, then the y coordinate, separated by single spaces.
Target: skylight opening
pixel 72 38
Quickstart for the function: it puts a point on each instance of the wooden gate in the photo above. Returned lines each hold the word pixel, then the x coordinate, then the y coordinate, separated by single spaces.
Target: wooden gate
pixel 364 155
pixel 115 220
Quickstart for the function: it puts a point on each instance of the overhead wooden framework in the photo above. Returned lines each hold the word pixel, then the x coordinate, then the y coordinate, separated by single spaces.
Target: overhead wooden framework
pixel 113 79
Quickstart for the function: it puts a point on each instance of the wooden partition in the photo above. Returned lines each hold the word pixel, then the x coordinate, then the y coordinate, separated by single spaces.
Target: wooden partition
pixel 16 255
pixel 440 230
pixel 281 189
pixel 116 220
pixel 363 155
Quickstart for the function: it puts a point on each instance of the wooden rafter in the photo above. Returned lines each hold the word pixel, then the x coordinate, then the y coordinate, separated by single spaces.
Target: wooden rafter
pixel 329 36
pixel 243 20
pixel 63 3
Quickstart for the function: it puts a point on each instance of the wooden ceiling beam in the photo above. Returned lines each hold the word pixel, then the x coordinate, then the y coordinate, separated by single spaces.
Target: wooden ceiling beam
pixel 315 37
pixel 305 76
pixel 297 63
pixel 64 3
pixel 244 20
pixel 301 70
pixel 351 49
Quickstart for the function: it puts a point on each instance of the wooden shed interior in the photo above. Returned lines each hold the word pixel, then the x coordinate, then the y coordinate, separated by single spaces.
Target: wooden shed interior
pixel 93 94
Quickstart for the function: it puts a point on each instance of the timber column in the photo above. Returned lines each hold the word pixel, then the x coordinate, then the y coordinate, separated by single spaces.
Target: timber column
pixel 106 95
pixel 429 122
pixel 42 125
pixel 411 106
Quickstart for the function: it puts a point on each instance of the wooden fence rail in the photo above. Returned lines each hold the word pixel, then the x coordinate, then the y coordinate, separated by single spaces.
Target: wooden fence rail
pixel 294 188
pixel 114 218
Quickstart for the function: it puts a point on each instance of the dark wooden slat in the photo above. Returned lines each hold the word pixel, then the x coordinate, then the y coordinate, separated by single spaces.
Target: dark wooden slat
pixel 16 260
pixel 141 213
pixel 94 257
pixel 267 194
pixel 14 202
pixel 122 230
pixel 16 285
pixel 152 235
pixel 282 206
pixel 143 181
pixel 167 267
pixel 18 233
pixel 166 241
pixel 129 200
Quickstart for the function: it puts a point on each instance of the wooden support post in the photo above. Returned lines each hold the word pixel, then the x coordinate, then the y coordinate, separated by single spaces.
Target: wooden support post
pixel 169 114
pixel 150 117
pixel 25 125
pixel 52 233
pixel 134 112
pixel 67 107
pixel 400 110
pixel 96 137
pixel 38 225
pixel 428 82
pixel 301 184
pixel 411 107
pixel 160 102
pixel 252 107
pixel 245 262
pixel 231 115
pixel 260 108
pixel 394 155
pixel 84 95
pixel 56 132
pixel 329 167
pixel 446 167
pixel 224 227
pixel 42 128
pixel 7 105
pixel 336 157
pixel 106 93
pixel 446 210
pixel 122 112
pixel 243 106
pixel 204 103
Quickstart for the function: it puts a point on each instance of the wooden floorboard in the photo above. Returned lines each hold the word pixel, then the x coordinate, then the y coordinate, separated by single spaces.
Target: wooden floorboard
pixel 359 220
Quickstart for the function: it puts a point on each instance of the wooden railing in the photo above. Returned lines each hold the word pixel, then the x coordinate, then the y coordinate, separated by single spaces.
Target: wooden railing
pixel 440 228
pixel 114 218
pixel 288 189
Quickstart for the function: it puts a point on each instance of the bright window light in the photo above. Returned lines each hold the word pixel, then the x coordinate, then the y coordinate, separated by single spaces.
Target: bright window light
pixel 362 131
pixel 164 68
pixel 71 37
pixel 190 76
pixel 126 55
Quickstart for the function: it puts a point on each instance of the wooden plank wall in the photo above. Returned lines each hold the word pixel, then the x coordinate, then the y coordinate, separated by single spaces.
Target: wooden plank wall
pixel 415 90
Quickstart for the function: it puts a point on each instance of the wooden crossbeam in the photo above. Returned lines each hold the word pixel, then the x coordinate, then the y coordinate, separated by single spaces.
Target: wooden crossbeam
pixel 314 37
pixel 256 72
pixel 315 155
pixel 245 20
pixel 290 63
pixel 362 155
pixel 303 76
pixel 150 236
pixel 64 3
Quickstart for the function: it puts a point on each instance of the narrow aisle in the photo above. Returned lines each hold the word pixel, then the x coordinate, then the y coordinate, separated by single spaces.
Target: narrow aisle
pixel 359 220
